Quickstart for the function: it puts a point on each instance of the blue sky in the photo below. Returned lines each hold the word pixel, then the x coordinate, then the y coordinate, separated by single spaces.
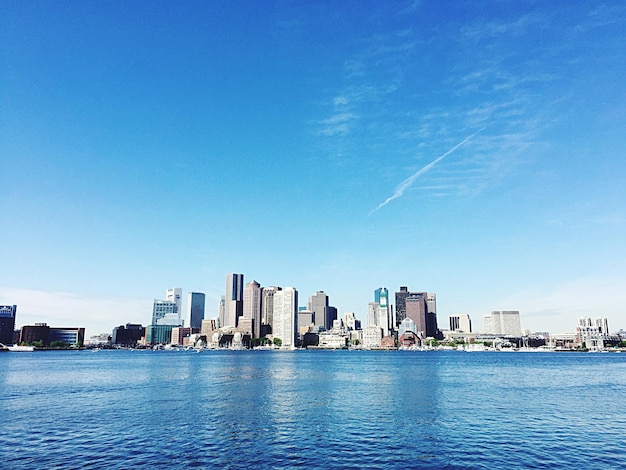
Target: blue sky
pixel 148 145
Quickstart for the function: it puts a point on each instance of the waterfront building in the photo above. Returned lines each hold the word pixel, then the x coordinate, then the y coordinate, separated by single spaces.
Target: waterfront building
pixel 245 325
pixel 103 339
pixel 372 337
pixel 159 334
pixel 179 334
pixel 334 339
pixel 592 333
pixel 285 325
pixel 252 295
pixel 407 334
pixel 7 323
pixel 128 335
pixel 71 336
pixel 461 323
pixel 195 310
pixel 407 325
pixel 209 327
pixel 233 305
pixel 503 323
pixel 41 332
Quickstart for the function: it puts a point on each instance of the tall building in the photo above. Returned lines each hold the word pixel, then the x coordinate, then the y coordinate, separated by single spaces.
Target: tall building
pixel 503 322
pixel 175 295
pixel 330 315
pixel 252 294
pixel 233 301
pixel 372 315
pixel 195 310
pixel 164 312
pixel 424 311
pixel 7 323
pixel 461 323
pixel 267 309
pixel 317 304
pixel 383 315
pixel 416 309
pixel 221 312
pixel 401 304
pixel 431 302
pixel 285 324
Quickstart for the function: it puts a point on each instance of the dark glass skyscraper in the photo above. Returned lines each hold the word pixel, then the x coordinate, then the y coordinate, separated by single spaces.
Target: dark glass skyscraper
pixel 7 323
pixel 233 301
pixel 195 310
pixel 401 304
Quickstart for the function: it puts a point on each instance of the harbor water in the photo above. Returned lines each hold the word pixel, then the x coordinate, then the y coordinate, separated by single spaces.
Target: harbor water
pixel 314 409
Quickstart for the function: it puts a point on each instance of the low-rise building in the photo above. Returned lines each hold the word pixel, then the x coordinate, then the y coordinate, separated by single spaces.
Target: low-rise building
pixel 46 335
pixel 372 337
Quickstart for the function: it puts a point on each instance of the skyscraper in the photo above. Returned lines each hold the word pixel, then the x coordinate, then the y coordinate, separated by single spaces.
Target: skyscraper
pixel 330 315
pixel 383 314
pixel 286 316
pixel 317 304
pixel 416 309
pixel 401 304
pixel 423 311
pixel 267 309
pixel 7 323
pixel 175 295
pixel 195 310
pixel 252 306
pixel 233 305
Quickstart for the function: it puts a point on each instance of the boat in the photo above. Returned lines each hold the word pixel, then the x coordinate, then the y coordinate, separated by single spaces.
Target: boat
pixel 21 348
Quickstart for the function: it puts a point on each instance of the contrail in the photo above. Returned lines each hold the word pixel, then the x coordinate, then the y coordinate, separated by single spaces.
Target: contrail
pixel 407 183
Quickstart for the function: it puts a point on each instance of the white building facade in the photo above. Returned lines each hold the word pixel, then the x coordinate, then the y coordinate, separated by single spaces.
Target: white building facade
pixel 285 325
pixel 503 322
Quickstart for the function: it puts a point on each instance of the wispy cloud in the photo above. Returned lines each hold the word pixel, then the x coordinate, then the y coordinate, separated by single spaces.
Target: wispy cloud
pixel 337 124
pixel 522 25
pixel 407 183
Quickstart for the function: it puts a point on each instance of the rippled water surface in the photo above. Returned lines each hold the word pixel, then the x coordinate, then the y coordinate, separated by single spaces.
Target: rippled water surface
pixel 315 409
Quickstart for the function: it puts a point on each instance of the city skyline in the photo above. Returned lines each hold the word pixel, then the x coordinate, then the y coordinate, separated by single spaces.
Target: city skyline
pixel 419 308
pixel 475 152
